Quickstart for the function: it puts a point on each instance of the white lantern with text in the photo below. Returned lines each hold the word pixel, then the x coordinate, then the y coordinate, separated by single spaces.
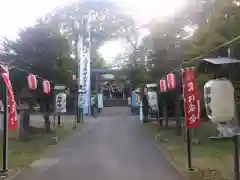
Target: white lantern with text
pixel 219 100
pixel 163 85
pixel 171 81
pixel 46 86
pixel 32 81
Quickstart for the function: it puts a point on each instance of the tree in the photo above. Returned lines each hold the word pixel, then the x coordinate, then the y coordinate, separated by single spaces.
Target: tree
pixel 41 50
pixel 107 21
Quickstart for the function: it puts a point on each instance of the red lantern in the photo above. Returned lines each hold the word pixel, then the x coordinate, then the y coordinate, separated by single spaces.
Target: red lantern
pixel 32 81
pixel 145 91
pixel 74 77
pixel 46 87
pixel 163 85
pixel 171 81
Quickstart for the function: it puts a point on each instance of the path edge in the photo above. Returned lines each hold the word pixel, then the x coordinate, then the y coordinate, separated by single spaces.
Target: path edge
pixel 174 165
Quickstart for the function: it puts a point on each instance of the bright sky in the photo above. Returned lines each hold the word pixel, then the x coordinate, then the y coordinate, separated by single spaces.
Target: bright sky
pixel 16 14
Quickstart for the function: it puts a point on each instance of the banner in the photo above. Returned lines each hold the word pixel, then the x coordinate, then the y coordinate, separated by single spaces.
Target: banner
pixel 191 99
pixel 84 78
pixel 61 101
pixel 12 113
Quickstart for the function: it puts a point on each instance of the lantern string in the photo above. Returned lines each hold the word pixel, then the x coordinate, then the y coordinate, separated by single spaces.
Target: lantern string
pixel 37 76
pixel 22 70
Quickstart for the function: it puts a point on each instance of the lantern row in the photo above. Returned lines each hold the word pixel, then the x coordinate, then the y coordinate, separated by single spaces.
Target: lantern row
pixel 168 84
pixel 32 83
pixel 32 80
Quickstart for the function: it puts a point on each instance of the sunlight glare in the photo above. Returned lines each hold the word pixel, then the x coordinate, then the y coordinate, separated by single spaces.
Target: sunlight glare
pixel 144 11
pixel 110 49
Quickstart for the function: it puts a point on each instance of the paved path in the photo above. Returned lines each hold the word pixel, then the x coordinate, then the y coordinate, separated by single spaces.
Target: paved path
pixel 107 148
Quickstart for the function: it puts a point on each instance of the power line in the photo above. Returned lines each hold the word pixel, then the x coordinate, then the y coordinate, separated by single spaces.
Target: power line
pixel 22 70
pixel 187 61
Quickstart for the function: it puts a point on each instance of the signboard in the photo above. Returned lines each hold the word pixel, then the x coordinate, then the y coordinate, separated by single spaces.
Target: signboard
pixel 191 99
pixel 153 100
pixel 59 87
pixel 100 100
pixel 81 100
pixel 61 99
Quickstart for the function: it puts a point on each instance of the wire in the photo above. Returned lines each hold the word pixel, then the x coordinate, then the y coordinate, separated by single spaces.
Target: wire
pixel 22 70
pixel 187 61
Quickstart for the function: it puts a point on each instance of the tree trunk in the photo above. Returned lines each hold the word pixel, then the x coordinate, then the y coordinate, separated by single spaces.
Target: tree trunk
pixel 177 116
pixel 24 125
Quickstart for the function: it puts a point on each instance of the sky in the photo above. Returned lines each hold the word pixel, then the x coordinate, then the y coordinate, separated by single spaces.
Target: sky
pixel 16 14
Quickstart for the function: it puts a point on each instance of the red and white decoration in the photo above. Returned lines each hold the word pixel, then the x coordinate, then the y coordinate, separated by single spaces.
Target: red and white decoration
pixel 163 85
pixel 171 81
pixel 191 99
pixel 74 77
pixel 46 87
pixel 32 81
pixel 12 112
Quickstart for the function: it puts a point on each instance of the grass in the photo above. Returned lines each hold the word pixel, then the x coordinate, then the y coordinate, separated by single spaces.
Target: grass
pixel 209 158
pixel 20 154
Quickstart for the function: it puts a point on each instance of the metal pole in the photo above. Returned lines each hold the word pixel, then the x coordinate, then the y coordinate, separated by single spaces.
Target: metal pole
pixel 5 131
pixel 236 158
pixel 189 154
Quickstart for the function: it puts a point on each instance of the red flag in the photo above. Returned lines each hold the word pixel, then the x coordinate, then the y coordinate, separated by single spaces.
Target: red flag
pixel 191 99
pixel 12 113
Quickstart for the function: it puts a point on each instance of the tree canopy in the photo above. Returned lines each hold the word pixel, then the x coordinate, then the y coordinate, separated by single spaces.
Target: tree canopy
pixel 48 48
pixel 196 30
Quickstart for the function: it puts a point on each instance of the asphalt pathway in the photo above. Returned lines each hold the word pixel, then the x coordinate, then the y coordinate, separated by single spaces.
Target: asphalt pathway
pixel 113 147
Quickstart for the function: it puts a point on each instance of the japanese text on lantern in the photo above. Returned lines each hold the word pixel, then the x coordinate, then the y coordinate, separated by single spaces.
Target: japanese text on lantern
pixel 191 99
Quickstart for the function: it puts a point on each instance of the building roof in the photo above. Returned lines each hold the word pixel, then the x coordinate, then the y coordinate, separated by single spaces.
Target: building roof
pixel 221 60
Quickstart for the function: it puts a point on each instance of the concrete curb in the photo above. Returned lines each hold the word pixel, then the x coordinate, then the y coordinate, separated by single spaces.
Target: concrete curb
pixel 182 174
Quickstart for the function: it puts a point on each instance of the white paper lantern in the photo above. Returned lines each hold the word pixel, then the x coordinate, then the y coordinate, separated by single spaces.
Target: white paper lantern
pixel 219 100
pixel 32 81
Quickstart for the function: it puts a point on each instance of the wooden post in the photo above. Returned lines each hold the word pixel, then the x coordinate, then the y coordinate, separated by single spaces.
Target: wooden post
pixel 178 114
pixel 165 114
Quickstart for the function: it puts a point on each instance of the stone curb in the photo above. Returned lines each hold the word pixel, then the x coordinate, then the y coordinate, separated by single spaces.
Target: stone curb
pixel 183 175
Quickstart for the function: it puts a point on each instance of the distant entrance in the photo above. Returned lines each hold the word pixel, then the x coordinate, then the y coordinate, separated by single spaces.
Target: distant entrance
pixel 114 86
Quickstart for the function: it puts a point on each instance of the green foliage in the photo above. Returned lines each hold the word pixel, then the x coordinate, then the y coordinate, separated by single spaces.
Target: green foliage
pixel 211 23
pixel 41 50
pixel 45 48
pixel 107 22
